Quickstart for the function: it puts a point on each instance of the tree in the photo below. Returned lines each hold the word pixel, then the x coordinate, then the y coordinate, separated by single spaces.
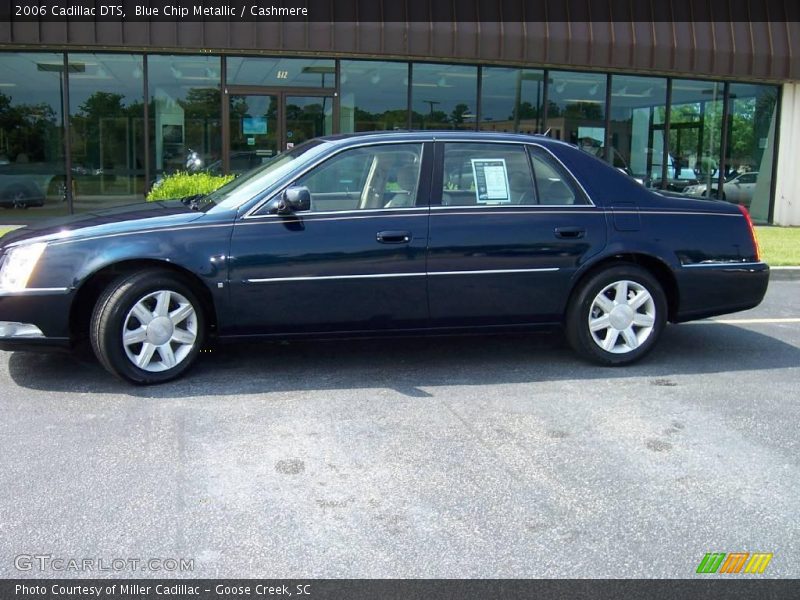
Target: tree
pixel 457 116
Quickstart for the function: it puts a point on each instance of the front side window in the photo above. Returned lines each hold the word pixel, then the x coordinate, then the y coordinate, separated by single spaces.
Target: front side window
pixel 486 175
pixel 368 177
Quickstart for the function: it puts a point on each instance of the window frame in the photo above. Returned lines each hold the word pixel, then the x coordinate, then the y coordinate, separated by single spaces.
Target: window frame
pixel 437 178
pixel 423 184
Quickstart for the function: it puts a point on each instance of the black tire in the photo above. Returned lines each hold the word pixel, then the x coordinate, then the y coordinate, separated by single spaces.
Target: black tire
pixel 110 315
pixel 581 308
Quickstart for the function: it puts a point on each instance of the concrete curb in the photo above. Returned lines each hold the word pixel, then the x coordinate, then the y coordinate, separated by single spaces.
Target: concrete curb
pixel 784 273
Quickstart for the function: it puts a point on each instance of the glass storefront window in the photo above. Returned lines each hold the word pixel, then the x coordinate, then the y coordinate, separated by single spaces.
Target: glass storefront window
pixel 576 109
pixel 695 132
pixel 749 152
pixel 374 95
pixel 185 112
pixel 638 105
pixel 444 96
pixel 281 72
pixel 511 99
pixel 32 175
pixel 106 129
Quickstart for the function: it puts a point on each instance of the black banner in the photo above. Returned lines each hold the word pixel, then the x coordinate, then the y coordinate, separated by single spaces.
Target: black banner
pixel 365 11
pixel 736 587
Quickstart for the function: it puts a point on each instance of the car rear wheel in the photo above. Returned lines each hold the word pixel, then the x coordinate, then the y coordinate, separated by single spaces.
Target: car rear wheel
pixel 147 327
pixel 617 315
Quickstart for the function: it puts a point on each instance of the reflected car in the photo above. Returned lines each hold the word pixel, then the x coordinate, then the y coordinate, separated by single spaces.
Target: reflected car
pixel 29 185
pixel 739 189
pixel 383 234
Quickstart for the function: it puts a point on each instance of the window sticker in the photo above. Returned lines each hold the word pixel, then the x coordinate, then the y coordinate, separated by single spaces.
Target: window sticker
pixel 491 180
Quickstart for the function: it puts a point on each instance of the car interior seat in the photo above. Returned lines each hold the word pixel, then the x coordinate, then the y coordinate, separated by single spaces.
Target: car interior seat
pixel 407 180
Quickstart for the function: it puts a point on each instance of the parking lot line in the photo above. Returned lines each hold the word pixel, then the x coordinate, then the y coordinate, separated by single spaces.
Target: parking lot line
pixel 752 321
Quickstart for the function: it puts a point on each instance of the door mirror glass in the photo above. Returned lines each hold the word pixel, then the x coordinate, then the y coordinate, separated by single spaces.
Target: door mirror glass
pixel 293 199
pixel 298 198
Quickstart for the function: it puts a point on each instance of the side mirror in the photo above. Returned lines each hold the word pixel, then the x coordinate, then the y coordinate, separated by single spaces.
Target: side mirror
pixel 298 198
pixel 293 199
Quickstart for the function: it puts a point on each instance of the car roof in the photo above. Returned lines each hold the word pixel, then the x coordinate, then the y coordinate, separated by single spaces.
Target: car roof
pixel 347 139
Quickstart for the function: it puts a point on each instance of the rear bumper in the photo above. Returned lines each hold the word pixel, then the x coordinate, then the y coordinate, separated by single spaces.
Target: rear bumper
pixel 36 319
pixel 709 289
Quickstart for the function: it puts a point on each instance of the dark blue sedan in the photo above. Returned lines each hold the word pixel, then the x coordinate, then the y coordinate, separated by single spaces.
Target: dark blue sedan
pixel 381 234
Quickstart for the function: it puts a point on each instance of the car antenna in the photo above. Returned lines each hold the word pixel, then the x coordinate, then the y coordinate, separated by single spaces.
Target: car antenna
pixel 548 131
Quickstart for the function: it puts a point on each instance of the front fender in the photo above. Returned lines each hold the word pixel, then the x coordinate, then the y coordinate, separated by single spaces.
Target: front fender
pixel 199 249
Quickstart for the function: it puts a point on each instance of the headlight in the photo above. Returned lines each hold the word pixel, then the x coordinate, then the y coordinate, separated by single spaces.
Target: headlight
pixel 18 266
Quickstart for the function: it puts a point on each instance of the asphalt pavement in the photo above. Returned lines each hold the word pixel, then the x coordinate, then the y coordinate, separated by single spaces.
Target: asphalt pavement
pixel 475 456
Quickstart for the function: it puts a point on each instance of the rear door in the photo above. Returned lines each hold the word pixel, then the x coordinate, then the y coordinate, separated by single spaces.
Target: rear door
pixel 508 230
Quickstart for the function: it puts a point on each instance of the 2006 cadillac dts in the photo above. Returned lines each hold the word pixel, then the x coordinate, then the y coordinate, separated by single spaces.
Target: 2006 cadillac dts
pixel 380 234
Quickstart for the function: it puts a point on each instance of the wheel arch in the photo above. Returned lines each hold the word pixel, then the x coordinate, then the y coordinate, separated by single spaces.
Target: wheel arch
pixel 653 265
pixel 92 287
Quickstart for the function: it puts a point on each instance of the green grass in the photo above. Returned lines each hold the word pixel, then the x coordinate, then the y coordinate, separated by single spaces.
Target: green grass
pixel 5 230
pixel 780 246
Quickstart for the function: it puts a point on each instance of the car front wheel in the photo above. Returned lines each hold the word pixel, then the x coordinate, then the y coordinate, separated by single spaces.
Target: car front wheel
pixel 617 315
pixel 147 327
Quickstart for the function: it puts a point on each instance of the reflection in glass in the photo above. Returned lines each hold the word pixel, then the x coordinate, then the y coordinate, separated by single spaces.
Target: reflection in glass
pixel 576 109
pixel 695 132
pixel 637 112
pixel 281 72
pixel 107 129
pixel 253 132
pixel 444 96
pixel 511 99
pixel 184 112
pixel 307 117
pixel 751 140
pixel 374 96
pixel 32 175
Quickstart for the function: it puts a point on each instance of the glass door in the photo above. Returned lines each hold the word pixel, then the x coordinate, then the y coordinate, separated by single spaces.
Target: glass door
pixel 307 117
pixel 263 122
pixel 253 131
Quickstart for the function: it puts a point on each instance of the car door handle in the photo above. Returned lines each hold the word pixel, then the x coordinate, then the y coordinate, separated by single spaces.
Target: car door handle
pixel 570 233
pixel 394 237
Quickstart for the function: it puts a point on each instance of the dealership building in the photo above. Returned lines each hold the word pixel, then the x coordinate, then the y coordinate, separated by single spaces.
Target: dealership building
pixel 93 112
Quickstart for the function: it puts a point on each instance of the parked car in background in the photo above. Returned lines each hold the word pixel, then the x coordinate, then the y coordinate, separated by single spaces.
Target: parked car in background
pixel 382 234
pixel 739 189
pixel 679 175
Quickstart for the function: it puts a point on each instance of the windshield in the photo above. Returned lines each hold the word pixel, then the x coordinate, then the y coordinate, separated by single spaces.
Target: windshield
pixel 249 184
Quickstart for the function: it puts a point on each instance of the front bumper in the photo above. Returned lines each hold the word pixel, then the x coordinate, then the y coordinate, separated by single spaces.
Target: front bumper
pixel 35 319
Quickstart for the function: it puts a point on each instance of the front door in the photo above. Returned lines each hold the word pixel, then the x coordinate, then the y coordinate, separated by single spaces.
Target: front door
pixel 354 262
pixel 263 122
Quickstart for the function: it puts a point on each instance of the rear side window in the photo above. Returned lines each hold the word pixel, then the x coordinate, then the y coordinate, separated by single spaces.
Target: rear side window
pixel 486 175
pixel 553 184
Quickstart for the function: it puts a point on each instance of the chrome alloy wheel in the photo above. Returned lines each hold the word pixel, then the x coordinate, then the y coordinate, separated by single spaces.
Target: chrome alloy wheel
pixel 160 331
pixel 622 317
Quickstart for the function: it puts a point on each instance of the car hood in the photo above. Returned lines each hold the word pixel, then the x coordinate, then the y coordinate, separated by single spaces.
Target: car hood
pixel 121 219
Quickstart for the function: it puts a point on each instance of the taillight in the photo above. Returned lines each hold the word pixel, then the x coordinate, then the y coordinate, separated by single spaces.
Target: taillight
pixel 753 236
